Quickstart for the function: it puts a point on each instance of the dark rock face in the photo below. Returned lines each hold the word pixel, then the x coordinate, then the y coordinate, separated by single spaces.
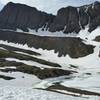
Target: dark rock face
pixel 23 17
pixel 72 19
pixel 67 20
pixel 63 45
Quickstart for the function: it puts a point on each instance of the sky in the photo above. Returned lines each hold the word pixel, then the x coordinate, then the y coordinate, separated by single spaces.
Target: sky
pixel 50 6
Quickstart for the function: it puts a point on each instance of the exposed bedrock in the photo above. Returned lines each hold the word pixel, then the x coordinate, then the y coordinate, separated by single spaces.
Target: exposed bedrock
pixel 73 19
pixel 21 16
pixel 97 39
pixel 69 19
pixel 63 45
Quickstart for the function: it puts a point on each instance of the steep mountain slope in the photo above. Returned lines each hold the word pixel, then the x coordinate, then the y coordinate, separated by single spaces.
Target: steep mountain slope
pixel 68 20
pixel 1 6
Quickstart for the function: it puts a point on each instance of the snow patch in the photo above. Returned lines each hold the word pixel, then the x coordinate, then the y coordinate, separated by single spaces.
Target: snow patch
pixel 21 79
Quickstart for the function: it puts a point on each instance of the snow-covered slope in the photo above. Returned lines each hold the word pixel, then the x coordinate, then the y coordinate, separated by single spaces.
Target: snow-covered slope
pixel 86 78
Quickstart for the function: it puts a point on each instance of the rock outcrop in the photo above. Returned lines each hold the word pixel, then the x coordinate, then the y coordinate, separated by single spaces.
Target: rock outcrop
pixel 97 39
pixel 69 19
pixel 21 16
pixel 73 19
pixel 74 47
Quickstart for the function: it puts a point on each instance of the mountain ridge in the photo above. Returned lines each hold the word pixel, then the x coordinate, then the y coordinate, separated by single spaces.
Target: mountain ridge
pixel 68 19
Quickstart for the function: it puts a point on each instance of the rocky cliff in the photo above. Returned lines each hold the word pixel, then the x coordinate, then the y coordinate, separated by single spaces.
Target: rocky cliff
pixel 68 20
pixel 21 16
pixel 74 47
pixel 73 19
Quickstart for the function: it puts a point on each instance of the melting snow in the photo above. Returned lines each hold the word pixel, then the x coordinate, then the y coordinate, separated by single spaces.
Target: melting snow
pixel 87 77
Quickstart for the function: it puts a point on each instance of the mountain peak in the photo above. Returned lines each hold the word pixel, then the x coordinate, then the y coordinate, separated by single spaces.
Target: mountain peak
pixel 96 2
pixel 68 20
pixel 19 5
pixel 10 3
